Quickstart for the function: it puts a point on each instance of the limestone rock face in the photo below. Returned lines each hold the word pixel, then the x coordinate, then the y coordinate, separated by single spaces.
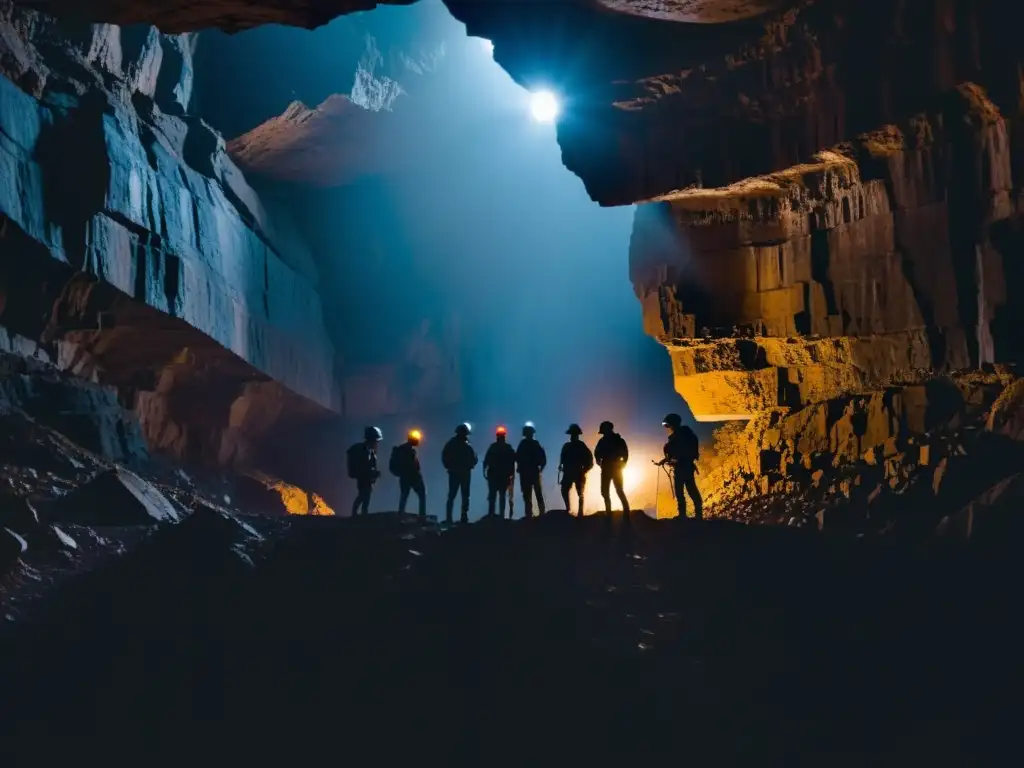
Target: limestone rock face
pixel 326 146
pixel 132 248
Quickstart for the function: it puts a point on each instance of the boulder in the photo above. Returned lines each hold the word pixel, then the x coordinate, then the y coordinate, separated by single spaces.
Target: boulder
pixel 211 536
pixel 117 497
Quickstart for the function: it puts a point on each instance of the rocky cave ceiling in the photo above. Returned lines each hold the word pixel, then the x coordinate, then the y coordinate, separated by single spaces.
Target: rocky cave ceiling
pixel 655 104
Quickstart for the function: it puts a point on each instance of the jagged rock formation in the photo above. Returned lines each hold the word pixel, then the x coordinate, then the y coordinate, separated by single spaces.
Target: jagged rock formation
pixel 330 145
pixel 826 302
pixel 135 251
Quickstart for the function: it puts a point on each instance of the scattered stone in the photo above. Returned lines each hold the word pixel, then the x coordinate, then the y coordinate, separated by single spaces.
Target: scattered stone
pixel 117 497
pixel 12 547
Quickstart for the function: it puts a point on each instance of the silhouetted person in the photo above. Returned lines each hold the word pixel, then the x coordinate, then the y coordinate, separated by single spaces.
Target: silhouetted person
pixel 611 454
pixel 531 458
pixel 575 462
pixel 681 453
pixel 459 458
pixel 362 467
pixel 499 469
pixel 405 465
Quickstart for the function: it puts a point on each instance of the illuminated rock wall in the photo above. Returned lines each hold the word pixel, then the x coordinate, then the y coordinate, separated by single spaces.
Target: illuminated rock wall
pixel 831 303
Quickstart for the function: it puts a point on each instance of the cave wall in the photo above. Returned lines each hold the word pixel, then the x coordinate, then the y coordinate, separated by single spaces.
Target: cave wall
pixel 840 307
pixel 134 248
pixel 892 254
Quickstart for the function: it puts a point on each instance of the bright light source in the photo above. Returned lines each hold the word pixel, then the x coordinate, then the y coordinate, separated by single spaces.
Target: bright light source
pixel 416 434
pixel 631 477
pixel 486 44
pixel 544 106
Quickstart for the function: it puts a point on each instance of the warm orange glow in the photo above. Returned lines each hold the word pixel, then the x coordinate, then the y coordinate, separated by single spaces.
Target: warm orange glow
pixel 415 434
pixel 501 431
pixel 320 506
pixel 298 502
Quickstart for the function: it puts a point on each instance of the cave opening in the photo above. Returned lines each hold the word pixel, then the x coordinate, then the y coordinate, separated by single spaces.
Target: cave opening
pixel 465 273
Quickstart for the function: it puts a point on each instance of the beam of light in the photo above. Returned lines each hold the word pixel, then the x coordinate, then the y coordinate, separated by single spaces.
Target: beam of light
pixel 544 106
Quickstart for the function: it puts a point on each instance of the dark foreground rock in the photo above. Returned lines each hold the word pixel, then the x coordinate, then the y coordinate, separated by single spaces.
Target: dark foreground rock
pixel 318 638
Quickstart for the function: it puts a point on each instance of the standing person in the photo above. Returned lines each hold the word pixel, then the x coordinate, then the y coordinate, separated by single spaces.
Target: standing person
pixel 459 458
pixel 362 467
pixel 499 469
pixel 611 454
pixel 575 462
pixel 681 453
pixel 531 458
pixel 405 465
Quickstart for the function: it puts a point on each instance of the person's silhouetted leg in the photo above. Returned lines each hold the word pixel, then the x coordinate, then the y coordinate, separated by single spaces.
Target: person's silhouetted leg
pixel 492 496
pixel 453 489
pixel 621 493
pixel 464 486
pixel 566 486
pixel 364 490
pixel 698 502
pixel 403 494
pixel 525 487
pixel 606 482
pixel 539 491
pixel 418 486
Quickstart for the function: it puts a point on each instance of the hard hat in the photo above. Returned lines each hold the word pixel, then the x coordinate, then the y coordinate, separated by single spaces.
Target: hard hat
pixel 574 429
pixel 673 420
pixel 372 433
pixel 606 428
pixel 501 430
pixel 415 436
pixel 529 429
pixel 463 429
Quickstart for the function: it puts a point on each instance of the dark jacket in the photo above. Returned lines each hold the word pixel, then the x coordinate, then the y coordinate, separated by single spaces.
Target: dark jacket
pixel 405 463
pixel 531 458
pixel 682 450
pixel 576 459
pixel 362 462
pixel 458 456
pixel 500 462
pixel 611 452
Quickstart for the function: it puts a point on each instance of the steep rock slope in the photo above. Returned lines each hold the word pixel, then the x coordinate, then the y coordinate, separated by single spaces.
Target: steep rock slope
pixel 127 234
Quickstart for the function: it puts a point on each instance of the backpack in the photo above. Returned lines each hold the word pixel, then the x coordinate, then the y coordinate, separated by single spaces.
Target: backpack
pixel 689 440
pixel 355 460
pixel 395 463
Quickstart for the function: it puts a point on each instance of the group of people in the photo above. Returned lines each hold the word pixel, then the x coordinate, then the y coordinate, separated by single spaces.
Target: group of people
pixel 528 459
